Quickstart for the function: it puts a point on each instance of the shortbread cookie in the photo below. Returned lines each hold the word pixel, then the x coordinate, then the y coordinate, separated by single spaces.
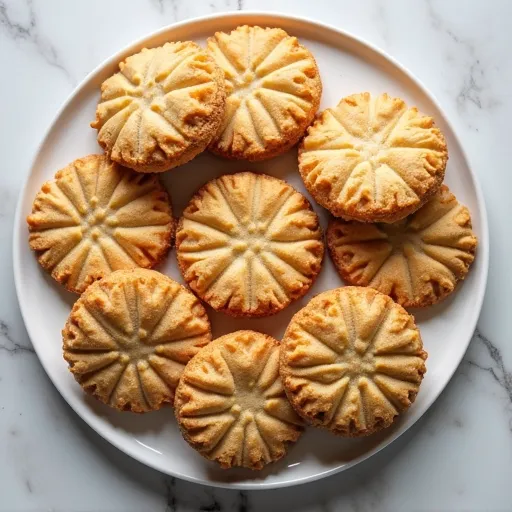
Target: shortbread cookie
pixel 248 244
pixel 96 217
pixel 162 108
pixel 352 360
pixel 273 91
pixel 417 261
pixel 372 158
pixel 230 403
pixel 130 335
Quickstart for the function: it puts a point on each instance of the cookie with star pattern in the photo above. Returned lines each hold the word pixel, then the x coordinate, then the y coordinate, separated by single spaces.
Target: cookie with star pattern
pixel 162 108
pixel 96 217
pixel 230 403
pixel 418 261
pixel 273 91
pixel 352 361
pixel 249 244
pixel 129 337
pixel 373 158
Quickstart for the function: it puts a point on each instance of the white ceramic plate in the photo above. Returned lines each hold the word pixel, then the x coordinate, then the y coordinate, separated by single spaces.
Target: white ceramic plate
pixel 347 65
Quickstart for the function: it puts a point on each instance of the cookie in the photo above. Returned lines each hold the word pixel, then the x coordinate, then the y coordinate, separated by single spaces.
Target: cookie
pixel 417 261
pixel 273 91
pixel 230 403
pixel 96 217
pixel 162 108
pixel 372 158
pixel 130 335
pixel 352 360
pixel 248 244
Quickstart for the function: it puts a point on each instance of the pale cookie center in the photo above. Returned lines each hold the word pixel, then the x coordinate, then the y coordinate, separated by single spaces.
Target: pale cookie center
pixel 246 83
pixel 248 401
pixel 134 349
pixel 149 96
pixel 152 93
pixel 253 242
pixel 357 362
pixel 370 151
pixel 97 221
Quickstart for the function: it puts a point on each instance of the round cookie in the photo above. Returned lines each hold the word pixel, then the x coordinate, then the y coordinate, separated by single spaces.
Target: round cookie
pixel 162 108
pixel 372 158
pixel 273 91
pixel 130 335
pixel 248 244
pixel 352 360
pixel 230 403
pixel 96 217
pixel 417 261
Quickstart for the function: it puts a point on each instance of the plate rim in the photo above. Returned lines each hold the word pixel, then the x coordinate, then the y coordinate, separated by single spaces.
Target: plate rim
pixel 483 249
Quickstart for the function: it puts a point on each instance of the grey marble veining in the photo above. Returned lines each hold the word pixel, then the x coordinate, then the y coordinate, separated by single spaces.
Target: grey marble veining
pixel 457 457
pixel 28 31
pixel 495 367
pixel 7 344
pixel 474 87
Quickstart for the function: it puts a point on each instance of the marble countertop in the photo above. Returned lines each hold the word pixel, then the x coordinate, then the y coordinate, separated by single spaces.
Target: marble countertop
pixel 457 457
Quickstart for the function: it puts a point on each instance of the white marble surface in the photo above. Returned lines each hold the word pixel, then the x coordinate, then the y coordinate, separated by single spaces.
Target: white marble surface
pixel 458 457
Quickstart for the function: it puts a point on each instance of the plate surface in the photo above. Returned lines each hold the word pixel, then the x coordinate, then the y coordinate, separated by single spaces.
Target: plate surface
pixel 347 65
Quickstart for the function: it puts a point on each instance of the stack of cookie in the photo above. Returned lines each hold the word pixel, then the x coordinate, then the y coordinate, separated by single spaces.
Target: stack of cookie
pixel 378 166
pixel 248 245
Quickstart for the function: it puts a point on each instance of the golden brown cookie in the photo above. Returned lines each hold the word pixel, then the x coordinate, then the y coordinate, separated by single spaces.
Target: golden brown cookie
pixel 130 335
pixel 230 403
pixel 352 360
pixel 273 91
pixel 162 108
pixel 372 158
pixel 96 217
pixel 248 244
pixel 417 261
